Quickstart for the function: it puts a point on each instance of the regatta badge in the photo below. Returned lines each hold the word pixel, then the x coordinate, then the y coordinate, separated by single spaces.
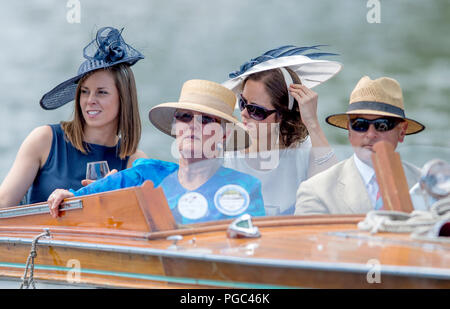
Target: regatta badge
pixel 231 200
pixel 193 205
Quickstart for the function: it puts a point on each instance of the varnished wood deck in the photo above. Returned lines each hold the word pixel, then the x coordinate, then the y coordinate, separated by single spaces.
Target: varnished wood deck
pixel 119 239
pixel 314 251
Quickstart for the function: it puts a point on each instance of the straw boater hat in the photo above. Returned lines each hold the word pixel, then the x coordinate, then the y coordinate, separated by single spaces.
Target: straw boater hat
pixel 106 50
pixel 204 97
pixel 311 72
pixel 382 96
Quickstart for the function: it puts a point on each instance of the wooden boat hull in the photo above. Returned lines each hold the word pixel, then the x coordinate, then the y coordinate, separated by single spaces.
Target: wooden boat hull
pixel 119 239
pixel 314 252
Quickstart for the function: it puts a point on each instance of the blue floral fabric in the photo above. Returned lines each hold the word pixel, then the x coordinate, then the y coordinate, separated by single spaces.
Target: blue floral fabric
pixel 227 194
pixel 142 170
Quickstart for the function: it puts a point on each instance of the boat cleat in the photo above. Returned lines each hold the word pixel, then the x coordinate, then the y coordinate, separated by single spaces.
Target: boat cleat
pixel 175 239
pixel 243 227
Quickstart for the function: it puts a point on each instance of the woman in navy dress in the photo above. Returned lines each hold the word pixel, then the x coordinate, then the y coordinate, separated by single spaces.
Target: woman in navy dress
pixel 106 125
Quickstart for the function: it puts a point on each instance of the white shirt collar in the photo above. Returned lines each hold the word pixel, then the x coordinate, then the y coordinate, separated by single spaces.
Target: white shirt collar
pixel 365 170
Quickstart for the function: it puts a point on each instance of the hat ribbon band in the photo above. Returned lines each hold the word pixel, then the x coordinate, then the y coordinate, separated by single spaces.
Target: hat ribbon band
pixel 206 101
pixel 377 106
pixel 288 80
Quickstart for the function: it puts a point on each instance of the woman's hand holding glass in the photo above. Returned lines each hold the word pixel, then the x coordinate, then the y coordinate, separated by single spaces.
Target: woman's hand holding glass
pixel 95 171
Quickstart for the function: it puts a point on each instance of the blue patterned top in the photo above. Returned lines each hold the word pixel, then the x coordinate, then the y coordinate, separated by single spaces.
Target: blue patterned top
pixel 227 194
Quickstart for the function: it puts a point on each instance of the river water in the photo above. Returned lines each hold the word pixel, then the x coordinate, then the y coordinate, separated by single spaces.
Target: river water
pixel 186 39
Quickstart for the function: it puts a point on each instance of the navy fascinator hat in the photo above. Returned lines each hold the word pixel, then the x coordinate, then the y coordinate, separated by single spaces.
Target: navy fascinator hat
pixel 106 50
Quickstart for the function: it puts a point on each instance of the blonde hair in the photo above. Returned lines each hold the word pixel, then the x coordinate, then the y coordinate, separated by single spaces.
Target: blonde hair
pixel 129 124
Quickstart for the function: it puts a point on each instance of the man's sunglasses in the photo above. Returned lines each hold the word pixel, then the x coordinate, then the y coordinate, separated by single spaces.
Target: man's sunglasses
pixel 255 111
pixel 187 117
pixel 380 124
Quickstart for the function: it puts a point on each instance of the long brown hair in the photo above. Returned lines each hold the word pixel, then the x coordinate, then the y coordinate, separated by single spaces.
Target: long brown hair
pixel 292 129
pixel 129 125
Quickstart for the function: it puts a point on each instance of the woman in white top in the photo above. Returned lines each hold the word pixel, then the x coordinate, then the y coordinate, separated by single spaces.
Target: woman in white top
pixel 280 112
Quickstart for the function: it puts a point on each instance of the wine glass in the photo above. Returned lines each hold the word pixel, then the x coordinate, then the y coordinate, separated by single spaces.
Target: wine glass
pixel 97 170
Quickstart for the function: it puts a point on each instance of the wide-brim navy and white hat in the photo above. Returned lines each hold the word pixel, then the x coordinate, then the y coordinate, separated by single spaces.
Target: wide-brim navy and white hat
pixel 106 50
pixel 310 70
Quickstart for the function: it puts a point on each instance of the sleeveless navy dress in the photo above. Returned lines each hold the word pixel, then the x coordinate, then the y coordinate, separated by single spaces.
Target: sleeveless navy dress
pixel 66 166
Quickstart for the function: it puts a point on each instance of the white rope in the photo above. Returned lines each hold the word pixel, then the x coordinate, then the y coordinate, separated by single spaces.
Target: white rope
pixel 26 282
pixel 416 222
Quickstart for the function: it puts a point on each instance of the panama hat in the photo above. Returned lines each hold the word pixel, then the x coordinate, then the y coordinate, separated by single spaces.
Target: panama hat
pixel 310 70
pixel 204 97
pixel 108 49
pixel 382 96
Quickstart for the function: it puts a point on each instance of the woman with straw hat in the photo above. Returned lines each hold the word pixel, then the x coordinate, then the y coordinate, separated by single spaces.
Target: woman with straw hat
pixel 198 188
pixel 106 124
pixel 280 111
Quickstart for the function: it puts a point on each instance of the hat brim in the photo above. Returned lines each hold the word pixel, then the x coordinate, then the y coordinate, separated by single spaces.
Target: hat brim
pixel 161 116
pixel 65 92
pixel 311 72
pixel 61 94
pixel 341 120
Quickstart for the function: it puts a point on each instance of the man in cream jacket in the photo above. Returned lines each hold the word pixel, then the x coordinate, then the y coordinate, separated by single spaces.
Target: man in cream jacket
pixel 375 113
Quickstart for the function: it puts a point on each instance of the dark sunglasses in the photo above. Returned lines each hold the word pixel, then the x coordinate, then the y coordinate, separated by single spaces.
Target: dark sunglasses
pixel 380 124
pixel 186 117
pixel 255 111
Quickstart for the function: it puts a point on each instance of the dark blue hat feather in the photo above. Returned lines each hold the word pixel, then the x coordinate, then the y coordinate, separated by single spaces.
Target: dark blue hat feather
pixel 282 51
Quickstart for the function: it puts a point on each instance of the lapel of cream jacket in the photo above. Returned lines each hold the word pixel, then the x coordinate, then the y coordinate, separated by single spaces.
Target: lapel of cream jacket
pixel 352 193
